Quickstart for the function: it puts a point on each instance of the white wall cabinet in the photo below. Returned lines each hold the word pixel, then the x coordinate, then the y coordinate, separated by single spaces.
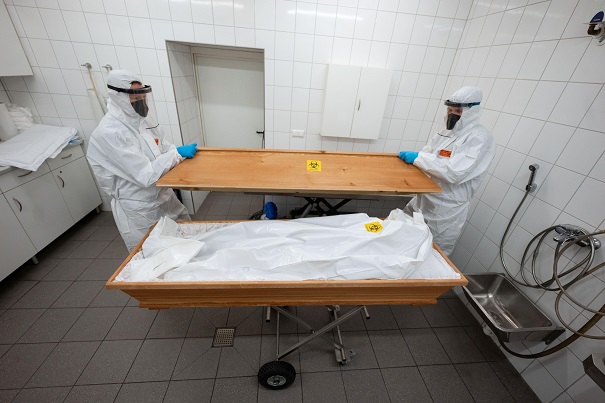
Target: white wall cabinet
pixel 44 204
pixel 355 101
pixel 13 61
pixel 15 246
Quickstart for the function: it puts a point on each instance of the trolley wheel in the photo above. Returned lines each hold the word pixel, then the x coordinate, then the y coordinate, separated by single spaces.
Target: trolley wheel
pixel 276 375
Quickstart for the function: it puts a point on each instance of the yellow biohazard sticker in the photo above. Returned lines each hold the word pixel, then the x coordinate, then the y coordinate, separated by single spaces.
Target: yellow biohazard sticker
pixel 373 227
pixel 314 165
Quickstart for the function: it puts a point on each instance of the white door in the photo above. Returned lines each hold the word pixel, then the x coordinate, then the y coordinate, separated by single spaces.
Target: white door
pixel 231 94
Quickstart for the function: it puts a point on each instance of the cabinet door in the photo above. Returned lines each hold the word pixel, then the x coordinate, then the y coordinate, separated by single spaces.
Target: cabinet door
pixel 372 97
pixel 339 103
pixel 40 209
pixel 78 188
pixel 15 246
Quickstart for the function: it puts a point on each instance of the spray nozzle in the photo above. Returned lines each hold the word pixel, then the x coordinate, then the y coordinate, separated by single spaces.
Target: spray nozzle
pixel 531 185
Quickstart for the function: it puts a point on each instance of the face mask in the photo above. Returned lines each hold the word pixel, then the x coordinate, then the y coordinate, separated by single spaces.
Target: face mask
pixel 140 107
pixel 451 120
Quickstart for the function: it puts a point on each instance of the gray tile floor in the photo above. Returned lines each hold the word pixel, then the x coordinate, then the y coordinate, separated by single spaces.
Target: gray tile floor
pixel 64 338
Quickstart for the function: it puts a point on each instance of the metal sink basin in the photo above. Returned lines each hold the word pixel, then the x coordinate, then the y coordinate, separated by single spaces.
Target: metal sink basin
pixel 507 311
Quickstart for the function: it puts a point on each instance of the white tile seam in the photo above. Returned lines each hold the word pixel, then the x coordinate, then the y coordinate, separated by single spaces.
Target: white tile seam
pixel 593 101
pixel 232 12
pixel 544 120
pixel 309 94
pixel 542 22
pixel 568 82
pixel 275 31
pixel 449 73
pixel 515 79
pixel 496 30
pixel 292 61
pixel 571 15
pixel 508 9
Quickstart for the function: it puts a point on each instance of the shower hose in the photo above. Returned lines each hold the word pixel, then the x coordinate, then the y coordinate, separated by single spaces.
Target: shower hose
pixel 559 282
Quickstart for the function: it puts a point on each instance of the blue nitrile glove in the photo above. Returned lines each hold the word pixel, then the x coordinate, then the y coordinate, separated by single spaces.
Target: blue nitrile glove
pixel 402 154
pixel 187 151
pixel 408 156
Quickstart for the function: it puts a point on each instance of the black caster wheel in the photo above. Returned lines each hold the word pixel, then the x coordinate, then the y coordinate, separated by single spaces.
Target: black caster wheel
pixel 276 375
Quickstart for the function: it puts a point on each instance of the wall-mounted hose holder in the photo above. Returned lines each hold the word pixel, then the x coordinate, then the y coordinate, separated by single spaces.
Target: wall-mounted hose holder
pixel 596 27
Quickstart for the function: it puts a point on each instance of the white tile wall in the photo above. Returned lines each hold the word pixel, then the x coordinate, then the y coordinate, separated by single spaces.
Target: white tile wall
pixel 544 104
pixel 574 102
pixel 542 78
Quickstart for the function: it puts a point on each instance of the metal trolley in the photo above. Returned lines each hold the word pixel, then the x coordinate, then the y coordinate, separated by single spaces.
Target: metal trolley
pixel 280 374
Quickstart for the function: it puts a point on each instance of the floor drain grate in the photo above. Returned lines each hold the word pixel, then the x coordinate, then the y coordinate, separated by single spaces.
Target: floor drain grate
pixel 223 337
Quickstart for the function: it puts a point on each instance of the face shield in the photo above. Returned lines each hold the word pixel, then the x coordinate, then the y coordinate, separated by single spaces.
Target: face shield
pixel 141 101
pixel 455 111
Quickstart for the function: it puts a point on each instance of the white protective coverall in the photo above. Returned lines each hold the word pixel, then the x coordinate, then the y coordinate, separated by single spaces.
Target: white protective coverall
pixel 127 162
pixel 457 160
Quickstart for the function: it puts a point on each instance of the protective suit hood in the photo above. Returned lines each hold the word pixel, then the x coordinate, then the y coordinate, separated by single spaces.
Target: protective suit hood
pixel 118 104
pixel 469 99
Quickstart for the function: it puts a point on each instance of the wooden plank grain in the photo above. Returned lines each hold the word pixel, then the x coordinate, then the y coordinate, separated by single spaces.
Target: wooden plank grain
pixel 289 171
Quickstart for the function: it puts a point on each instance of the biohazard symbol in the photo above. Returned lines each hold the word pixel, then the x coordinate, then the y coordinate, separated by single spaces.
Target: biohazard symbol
pixel 313 165
pixel 373 227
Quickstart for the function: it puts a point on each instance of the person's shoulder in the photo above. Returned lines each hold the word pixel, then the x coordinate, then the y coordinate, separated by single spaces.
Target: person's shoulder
pixel 479 130
pixel 110 129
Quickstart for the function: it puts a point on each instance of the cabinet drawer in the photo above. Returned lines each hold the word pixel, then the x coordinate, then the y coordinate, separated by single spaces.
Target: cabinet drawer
pixel 17 177
pixel 68 155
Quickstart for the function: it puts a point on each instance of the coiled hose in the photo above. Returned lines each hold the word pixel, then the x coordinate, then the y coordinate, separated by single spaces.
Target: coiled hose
pixel 584 271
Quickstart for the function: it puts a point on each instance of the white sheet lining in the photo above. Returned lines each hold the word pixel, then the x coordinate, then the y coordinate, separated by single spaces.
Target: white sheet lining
pixel 426 265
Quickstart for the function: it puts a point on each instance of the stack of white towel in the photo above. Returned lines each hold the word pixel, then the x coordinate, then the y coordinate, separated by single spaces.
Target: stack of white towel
pixel 34 145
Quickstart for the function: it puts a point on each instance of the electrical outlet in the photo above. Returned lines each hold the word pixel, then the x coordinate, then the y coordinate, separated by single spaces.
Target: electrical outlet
pixel 298 133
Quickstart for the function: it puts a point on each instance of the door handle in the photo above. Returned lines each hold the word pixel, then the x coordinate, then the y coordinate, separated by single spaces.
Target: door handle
pixel 260 132
pixel 66 157
pixel 21 176
pixel 62 181
pixel 19 203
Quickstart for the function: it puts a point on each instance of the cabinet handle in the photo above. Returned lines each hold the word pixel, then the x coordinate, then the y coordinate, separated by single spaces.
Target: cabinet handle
pixel 62 181
pixel 19 203
pixel 21 176
pixel 66 157
pixel 358 104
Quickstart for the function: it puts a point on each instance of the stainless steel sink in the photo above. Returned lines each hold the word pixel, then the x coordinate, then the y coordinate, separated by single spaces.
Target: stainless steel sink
pixel 507 311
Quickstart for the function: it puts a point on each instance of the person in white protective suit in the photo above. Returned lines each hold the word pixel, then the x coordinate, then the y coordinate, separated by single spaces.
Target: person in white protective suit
pixel 457 159
pixel 128 154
